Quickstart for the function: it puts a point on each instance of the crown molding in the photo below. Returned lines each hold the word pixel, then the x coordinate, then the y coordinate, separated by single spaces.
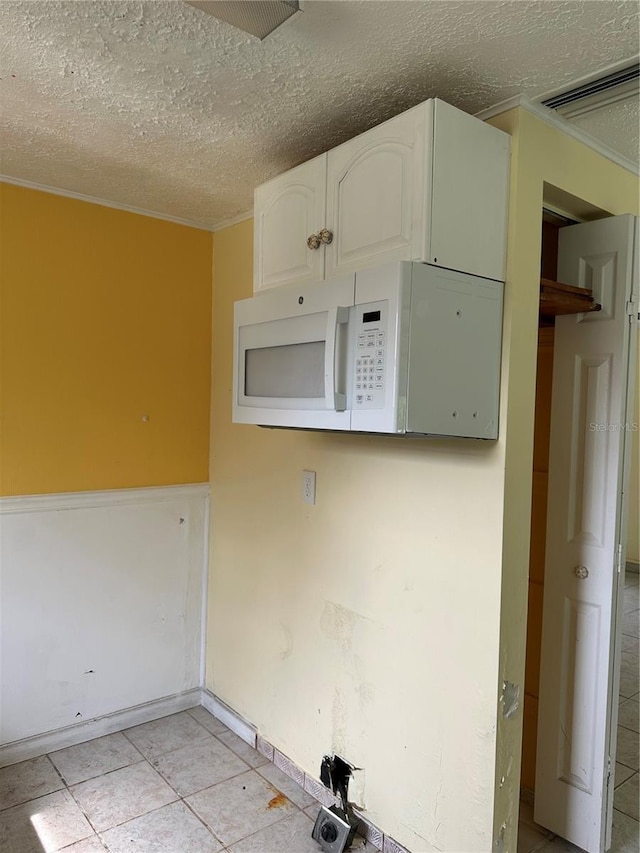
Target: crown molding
pixel 552 118
pixel 500 107
pixel 236 220
pixel 129 208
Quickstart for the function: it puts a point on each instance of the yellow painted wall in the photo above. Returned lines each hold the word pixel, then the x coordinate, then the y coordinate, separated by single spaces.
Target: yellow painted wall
pixel 332 627
pixel 633 524
pixel 104 318
pixel 541 154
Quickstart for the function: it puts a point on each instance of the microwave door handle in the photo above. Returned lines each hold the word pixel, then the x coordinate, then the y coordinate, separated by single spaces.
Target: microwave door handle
pixel 334 400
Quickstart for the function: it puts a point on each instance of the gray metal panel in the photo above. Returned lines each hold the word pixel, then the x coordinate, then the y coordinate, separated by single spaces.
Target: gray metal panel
pixel 470 194
pixel 454 354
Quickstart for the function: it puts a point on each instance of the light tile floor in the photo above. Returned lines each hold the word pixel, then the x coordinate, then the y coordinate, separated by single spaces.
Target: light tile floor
pixel 626 828
pixel 181 784
pixel 186 784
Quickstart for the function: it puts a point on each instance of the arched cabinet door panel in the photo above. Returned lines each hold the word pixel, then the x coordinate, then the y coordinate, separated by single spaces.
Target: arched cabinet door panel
pixel 376 191
pixel 429 185
pixel 288 209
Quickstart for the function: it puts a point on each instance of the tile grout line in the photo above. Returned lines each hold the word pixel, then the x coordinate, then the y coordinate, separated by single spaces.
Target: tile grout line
pixel 205 730
pixel 91 778
pixel 206 826
pixel 269 783
pixel 275 823
pixel 617 788
pixel 80 808
pixel 47 794
pixel 107 773
pixel 96 831
pixel 206 787
pixel 98 834
pixel 67 788
pixel 180 797
pixel 249 768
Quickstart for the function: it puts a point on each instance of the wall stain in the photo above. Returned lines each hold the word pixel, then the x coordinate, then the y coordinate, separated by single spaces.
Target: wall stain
pixel 338 719
pixel 367 692
pixel 337 623
pixel 287 642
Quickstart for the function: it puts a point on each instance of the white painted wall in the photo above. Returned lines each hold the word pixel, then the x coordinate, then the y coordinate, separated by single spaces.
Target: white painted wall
pixel 100 603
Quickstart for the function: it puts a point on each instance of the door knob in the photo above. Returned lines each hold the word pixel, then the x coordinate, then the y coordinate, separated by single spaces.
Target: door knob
pixel 581 572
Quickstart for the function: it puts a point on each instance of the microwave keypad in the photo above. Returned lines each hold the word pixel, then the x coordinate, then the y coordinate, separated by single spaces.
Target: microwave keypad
pixel 369 377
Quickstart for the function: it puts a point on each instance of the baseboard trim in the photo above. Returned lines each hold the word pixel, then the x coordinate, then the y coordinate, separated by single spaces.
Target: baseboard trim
pixel 232 720
pixel 31 747
pixel 250 734
pixel 41 744
pixel 632 566
pixel 369 831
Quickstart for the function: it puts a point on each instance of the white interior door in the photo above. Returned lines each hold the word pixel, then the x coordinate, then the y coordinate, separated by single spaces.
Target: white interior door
pixel 585 537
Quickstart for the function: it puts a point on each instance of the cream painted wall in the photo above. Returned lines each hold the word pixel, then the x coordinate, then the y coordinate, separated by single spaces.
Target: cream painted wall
pixel 367 624
pixel 541 154
pixel 382 622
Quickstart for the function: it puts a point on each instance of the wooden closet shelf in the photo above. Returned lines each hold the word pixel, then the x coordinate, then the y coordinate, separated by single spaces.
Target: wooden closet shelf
pixel 557 298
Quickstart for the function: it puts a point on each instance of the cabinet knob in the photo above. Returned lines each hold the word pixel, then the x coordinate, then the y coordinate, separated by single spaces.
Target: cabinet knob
pixel 314 241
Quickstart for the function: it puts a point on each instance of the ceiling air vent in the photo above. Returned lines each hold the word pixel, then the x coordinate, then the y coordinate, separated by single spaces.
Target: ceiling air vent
pixel 257 17
pixel 597 93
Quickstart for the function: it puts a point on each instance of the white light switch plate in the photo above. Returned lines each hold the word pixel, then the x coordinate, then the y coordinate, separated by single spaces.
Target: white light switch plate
pixel 309 487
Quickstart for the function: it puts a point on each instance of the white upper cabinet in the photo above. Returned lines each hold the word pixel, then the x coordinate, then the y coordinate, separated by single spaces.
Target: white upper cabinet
pixel 429 185
pixel 288 209
pixel 376 195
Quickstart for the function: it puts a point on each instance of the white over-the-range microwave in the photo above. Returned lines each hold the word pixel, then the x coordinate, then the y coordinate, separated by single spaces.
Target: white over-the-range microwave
pixel 401 349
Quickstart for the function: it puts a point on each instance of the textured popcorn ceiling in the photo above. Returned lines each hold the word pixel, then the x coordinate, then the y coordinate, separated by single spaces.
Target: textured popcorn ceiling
pixel 617 125
pixel 158 105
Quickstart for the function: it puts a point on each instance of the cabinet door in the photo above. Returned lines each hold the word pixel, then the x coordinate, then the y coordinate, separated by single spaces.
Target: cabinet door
pixel 287 210
pixel 376 194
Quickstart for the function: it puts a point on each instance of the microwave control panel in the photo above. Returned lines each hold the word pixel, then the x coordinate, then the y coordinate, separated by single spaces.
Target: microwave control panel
pixel 369 374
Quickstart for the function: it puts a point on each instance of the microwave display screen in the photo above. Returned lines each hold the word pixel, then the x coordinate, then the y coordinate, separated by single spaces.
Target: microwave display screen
pixel 371 316
pixel 292 371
